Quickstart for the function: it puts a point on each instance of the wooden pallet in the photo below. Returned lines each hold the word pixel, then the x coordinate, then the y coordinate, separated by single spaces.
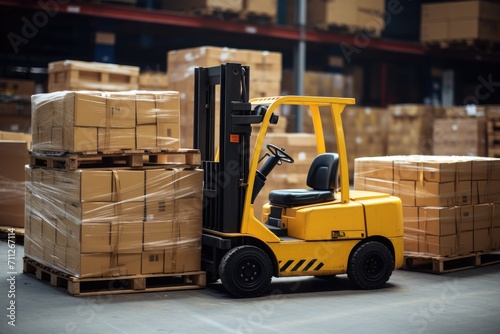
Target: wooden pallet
pixel 113 285
pixel 443 265
pixel 13 233
pixel 130 158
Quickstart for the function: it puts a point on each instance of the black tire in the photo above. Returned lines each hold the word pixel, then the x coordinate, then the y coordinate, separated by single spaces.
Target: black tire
pixel 370 266
pixel 246 271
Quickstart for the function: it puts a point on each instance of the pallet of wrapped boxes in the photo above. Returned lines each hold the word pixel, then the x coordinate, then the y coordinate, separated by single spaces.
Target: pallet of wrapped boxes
pixel 451 206
pixel 98 222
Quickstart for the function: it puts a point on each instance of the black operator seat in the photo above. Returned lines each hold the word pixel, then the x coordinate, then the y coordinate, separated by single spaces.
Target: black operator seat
pixel 322 178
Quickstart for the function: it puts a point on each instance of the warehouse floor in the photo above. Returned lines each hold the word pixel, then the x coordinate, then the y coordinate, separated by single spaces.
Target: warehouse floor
pixel 461 302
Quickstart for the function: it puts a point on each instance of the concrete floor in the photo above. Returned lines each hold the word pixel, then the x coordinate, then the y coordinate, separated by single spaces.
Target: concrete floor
pixel 461 302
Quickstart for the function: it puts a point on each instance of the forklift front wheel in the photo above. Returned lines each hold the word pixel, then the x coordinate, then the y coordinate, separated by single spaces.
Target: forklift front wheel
pixel 370 266
pixel 246 271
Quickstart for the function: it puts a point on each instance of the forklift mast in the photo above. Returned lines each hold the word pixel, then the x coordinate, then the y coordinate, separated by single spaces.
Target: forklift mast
pixel 226 172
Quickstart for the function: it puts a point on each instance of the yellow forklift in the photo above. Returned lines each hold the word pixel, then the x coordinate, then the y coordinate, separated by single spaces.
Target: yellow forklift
pixel 325 230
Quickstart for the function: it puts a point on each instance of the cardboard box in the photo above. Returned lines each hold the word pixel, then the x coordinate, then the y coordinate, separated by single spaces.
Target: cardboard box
pixel 439 171
pixel 86 109
pixel 159 185
pixel 168 135
pixel 435 194
pixel 145 108
pixel 48 232
pixel 87 265
pixel 130 211
pixel 159 235
pixel 438 221
pixel 126 264
pixel 465 242
pixel 405 190
pixel 96 238
pixel 153 262
pixel 90 185
pixel 188 183
pixel 438 245
pixel 482 240
pixel 129 185
pixel 479 189
pixel 188 257
pixel 115 139
pixel 411 229
pixel 483 216
pixel 465 218
pixel 88 212
pixel 127 237
pixel 463 193
pixel 160 210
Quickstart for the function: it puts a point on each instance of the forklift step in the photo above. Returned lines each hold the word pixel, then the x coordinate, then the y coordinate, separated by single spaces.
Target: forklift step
pixel 278 231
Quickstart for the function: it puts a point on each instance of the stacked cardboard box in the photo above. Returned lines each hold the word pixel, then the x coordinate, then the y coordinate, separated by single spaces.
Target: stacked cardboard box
pixel 451 204
pixel 80 75
pixel 411 129
pixel 366 15
pixel 302 148
pixel 265 77
pixel 14 148
pixel 86 121
pixel 108 222
pixel 460 20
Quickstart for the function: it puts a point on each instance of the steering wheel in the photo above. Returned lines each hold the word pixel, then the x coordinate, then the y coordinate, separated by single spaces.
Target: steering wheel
pixel 280 153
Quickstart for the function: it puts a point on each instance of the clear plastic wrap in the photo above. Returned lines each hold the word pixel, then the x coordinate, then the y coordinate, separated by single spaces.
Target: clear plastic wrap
pixel 451 204
pixel 103 222
pixel 80 75
pixel 92 121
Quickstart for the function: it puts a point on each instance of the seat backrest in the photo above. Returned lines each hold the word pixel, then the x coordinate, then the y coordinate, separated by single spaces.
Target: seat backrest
pixel 323 172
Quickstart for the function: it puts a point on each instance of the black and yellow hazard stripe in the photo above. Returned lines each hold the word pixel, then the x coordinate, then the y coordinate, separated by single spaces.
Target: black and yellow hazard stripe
pixel 295 265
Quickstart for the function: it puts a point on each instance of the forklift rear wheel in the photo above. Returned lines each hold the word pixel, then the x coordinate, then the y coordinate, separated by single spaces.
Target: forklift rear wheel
pixel 370 265
pixel 246 271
